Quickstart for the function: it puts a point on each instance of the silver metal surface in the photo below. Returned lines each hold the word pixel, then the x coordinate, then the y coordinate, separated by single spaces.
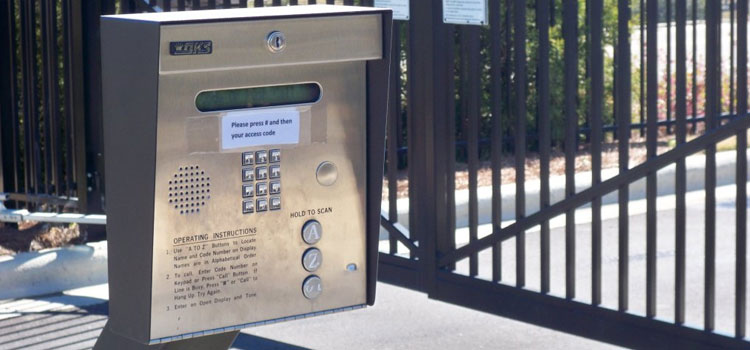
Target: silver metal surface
pixel 312 259
pixel 312 231
pixel 312 288
pixel 197 285
pixel 253 324
pixel 308 41
pixel 327 173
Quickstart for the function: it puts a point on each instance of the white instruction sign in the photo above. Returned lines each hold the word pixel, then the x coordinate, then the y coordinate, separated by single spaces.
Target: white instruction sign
pixel 400 8
pixel 465 12
pixel 273 126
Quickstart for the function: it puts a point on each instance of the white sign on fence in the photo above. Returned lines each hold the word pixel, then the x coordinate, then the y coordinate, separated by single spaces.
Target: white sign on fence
pixel 400 8
pixel 465 12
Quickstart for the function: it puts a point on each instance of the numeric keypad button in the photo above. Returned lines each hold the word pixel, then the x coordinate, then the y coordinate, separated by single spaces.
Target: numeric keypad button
pixel 275 171
pixel 262 205
pixel 248 175
pixel 248 158
pixel 275 187
pixel 261 157
pixel 261 188
pixel 248 207
pixel 248 191
pixel 275 155
pixel 275 203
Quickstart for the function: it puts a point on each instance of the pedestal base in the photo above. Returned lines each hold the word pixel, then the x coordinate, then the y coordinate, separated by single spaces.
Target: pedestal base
pixel 109 340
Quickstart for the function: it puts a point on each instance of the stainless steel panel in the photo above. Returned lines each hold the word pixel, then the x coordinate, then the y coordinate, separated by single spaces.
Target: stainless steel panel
pixel 276 273
pixel 244 44
pixel 229 15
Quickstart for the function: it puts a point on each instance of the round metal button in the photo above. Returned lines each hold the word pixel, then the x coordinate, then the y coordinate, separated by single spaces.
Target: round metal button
pixel 312 287
pixel 312 259
pixel 327 173
pixel 312 232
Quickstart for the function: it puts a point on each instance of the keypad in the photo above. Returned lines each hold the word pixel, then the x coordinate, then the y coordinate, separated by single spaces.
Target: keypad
pixel 257 168
pixel 312 259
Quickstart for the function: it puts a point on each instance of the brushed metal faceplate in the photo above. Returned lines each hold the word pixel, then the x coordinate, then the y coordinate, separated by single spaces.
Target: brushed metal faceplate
pixel 219 267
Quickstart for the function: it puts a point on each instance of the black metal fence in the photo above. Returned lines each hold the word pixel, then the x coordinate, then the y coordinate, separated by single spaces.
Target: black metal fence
pixel 43 107
pixel 557 81
pixel 525 268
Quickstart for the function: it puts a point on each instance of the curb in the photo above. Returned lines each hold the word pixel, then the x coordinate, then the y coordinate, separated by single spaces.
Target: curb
pixel 695 176
pixel 53 270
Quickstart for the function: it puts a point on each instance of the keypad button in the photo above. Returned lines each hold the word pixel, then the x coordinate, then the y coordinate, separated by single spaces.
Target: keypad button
pixel 261 157
pixel 248 175
pixel 275 155
pixel 248 191
pixel 261 188
pixel 275 187
pixel 262 204
pixel 261 173
pixel 312 232
pixel 312 287
pixel 275 171
pixel 312 259
pixel 275 203
pixel 248 207
pixel 248 158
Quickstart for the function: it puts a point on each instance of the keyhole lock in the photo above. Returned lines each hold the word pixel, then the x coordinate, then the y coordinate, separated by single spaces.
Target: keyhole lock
pixel 276 41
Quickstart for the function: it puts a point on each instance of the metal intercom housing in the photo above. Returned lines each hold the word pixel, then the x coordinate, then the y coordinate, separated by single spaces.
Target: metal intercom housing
pixel 244 157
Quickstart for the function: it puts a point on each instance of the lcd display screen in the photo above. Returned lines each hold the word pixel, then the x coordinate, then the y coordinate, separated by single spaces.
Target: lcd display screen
pixel 255 97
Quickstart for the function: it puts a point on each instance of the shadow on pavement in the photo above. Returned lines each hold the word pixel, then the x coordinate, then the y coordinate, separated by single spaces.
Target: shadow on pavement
pixel 78 327
pixel 251 342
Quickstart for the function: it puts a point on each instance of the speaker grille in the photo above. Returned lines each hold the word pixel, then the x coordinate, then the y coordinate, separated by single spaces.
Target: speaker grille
pixel 189 189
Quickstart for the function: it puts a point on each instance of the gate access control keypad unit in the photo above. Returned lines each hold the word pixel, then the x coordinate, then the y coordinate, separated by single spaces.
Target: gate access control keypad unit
pixel 244 163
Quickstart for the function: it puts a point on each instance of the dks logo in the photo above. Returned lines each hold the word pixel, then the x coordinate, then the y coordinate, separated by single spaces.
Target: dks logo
pixel 199 47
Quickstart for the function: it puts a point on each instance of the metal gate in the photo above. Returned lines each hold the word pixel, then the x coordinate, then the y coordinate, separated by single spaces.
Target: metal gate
pixel 510 269
pixel 430 256
pixel 549 82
